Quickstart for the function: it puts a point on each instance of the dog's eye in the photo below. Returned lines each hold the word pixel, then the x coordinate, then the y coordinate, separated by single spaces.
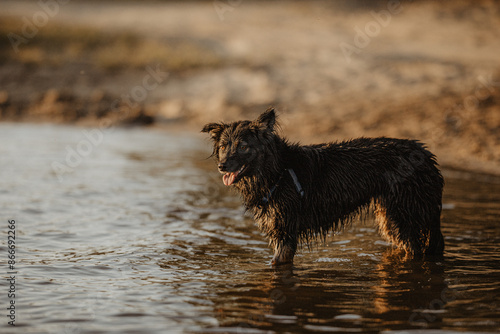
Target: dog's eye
pixel 223 146
pixel 243 147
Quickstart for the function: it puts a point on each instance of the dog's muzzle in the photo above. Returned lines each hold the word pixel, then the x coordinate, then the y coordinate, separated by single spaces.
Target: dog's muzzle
pixel 230 177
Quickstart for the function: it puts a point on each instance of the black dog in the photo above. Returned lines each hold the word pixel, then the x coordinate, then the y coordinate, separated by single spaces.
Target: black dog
pixel 299 192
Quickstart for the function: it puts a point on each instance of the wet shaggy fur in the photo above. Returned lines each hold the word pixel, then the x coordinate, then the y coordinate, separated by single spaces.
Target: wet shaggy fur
pixel 338 180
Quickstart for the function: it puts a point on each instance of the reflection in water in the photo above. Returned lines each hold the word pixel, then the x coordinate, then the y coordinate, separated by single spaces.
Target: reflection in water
pixel 413 286
pixel 143 237
pixel 326 298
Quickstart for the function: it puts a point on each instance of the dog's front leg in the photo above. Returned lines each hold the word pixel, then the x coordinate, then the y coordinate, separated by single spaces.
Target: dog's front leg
pixel 284 251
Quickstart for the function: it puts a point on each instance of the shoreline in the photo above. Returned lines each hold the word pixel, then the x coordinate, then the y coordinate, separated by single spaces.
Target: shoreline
pixel 447 162
pixel 426 70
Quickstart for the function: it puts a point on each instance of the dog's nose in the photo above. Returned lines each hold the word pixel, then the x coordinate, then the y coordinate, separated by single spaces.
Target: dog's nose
pixel 221 166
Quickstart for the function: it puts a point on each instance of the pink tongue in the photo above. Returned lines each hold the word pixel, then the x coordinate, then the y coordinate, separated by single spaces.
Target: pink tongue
pixel 229 178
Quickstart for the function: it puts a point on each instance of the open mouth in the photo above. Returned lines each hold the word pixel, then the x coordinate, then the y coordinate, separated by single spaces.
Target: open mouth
pixel 230 178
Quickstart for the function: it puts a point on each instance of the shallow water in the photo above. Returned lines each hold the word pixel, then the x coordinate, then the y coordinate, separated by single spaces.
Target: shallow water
pixel 140 236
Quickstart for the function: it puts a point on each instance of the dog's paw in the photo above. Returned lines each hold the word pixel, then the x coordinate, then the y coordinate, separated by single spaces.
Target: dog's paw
pixel 283 254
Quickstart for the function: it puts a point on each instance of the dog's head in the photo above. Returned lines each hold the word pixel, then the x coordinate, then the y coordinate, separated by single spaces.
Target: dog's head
pixel 240 147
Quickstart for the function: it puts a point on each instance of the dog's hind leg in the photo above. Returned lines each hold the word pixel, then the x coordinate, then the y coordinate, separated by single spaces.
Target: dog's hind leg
pixel 386 227
pixel 435 245
pixel 401 228
pixel 411 225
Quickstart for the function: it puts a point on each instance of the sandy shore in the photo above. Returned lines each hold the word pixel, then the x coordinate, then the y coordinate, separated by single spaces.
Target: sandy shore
pixel 399 68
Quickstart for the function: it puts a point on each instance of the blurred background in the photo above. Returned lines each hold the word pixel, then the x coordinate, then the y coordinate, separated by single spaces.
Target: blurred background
pixel 428 70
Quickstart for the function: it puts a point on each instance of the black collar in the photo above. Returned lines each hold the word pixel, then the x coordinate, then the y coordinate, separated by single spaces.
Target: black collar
pixel 298 187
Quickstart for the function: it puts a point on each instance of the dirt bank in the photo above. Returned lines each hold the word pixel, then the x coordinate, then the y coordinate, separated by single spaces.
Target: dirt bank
pixel 408 69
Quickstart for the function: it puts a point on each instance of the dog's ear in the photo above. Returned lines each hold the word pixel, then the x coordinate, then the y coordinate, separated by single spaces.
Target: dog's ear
pixel 267 120
pixel 214 130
